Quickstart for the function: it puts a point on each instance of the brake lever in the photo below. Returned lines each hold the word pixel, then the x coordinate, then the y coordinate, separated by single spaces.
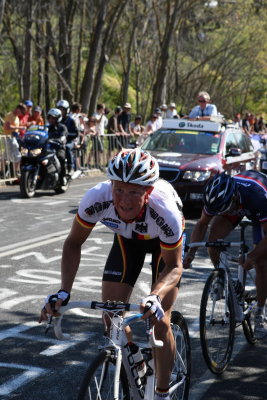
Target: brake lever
pixel 50 318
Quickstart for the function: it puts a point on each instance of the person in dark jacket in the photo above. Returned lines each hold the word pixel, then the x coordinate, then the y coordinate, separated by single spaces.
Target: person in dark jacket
pixel 58 133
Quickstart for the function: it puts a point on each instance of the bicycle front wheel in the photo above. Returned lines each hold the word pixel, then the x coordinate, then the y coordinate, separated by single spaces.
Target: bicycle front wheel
pixel 180 377
pixel 98 382
pixel 217 323
pixel 250 300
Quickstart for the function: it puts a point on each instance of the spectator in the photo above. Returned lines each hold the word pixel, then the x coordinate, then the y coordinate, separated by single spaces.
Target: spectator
pixel 91 130
pixel 137 131
pixel 164 109
pixel 12 127
pixel 80 142
pixel 246 124
pixel 75 114
pixel 112 128
pixel 151 126
pixel 124 120
pixel 159 121
pixel 238 121
pixel 172 112
pixel 36 117
pixel 262 125
pixel 204 110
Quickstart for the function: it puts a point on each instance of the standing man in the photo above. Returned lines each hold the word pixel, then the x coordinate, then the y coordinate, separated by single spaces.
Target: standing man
pixel 204 110
pixel 172 112
pixel 124 120
pixel 145 218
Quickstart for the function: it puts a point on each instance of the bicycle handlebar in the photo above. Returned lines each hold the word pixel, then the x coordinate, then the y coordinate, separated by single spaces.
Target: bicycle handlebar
pixel 105 306
pixel 218 243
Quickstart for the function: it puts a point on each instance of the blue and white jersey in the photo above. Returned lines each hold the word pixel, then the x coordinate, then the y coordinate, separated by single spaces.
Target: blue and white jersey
pixel 252 186
pixel 209 110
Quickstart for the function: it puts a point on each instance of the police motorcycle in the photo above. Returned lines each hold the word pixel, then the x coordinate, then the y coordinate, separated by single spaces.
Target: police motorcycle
pixel 40 166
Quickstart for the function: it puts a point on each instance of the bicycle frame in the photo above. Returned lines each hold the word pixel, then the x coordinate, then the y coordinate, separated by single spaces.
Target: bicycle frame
pixel 118 343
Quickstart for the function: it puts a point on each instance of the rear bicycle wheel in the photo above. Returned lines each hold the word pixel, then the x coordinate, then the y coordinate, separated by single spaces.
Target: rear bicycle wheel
pixel 217 323
pixel 98 382
pixel 180 376
pixel 248 324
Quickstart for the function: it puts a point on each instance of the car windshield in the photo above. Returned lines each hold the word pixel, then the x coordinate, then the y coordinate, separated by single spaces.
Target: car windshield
pixel 193 142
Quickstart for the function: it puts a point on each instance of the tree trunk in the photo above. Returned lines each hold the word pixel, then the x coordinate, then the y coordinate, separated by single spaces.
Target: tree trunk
pixel 40 74
pixel 47 70
pixel 87 83
pixel 79 51
pixel 27 71
pixel 2 9
pixel 158 89
pixel 126 75
pixel 106 50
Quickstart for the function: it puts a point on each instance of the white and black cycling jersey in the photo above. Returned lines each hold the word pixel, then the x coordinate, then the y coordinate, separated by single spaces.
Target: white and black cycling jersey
pixel 161 218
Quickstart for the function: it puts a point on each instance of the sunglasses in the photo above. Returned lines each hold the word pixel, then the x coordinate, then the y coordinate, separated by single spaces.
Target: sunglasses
pixel 202 101
pixel 91 120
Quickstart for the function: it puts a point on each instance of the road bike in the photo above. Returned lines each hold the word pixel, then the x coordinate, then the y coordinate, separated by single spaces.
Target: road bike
pixel 113 374
pixel 227 302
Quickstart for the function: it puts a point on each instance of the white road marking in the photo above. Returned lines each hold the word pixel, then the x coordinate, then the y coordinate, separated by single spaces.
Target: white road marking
pixel 5 266
pixel 12 332
pixel 39 257
pixel 40 241
pixel 25 377
pixel 4 293
pixel 35 276
pixel 52 203
pixel 62 346
pixel 7 305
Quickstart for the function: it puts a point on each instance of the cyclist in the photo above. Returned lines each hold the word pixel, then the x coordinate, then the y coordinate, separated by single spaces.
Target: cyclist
pixel 226 201
pixel 145 215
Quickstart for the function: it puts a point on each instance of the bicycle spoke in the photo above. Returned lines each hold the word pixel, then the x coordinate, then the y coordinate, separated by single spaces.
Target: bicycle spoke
pixel 217 324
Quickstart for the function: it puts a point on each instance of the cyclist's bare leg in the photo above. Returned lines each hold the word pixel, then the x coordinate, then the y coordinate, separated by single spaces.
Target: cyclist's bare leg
pixel 219 229
pixel 261 282
pixel 118 292
pixel 164 357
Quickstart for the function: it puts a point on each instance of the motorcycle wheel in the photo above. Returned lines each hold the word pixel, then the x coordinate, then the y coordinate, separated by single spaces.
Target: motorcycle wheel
pixel 63 188
pixel 27 189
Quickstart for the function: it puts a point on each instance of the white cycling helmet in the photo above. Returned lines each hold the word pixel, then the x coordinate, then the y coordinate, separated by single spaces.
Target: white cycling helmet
pixel 64 104
pixel 134 166
pixel 55 113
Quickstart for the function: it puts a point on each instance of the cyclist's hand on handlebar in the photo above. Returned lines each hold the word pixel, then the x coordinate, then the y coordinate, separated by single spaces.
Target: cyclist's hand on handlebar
pixel 53 303
pixel 248 264
pixel 188 259
pixel 151 306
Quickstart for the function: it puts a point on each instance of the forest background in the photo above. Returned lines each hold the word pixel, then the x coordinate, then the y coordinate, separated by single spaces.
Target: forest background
pixel 146 52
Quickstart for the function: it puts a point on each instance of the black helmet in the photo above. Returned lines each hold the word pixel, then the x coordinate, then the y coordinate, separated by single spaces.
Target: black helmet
pixel 219 193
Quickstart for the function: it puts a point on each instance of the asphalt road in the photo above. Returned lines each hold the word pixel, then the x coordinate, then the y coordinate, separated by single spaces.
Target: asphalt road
pixel 37 366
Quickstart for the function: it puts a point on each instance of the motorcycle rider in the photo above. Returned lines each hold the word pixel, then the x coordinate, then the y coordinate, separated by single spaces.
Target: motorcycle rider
pixel 58 133
pixel 73 132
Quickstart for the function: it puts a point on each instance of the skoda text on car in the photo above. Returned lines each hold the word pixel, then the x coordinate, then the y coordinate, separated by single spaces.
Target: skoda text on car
pixel 190 152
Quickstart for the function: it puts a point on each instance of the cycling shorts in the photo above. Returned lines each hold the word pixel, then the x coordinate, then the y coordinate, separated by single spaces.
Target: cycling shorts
pixel 257 231
pixel 126 259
